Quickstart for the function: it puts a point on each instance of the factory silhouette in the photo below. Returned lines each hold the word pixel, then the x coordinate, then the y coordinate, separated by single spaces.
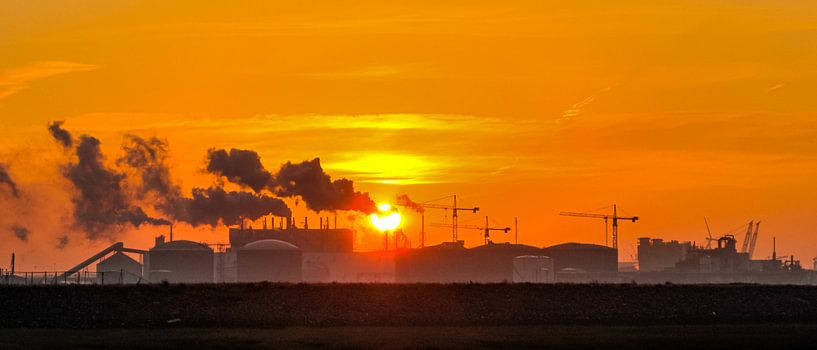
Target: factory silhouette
pixel 288 250
pixel 285 250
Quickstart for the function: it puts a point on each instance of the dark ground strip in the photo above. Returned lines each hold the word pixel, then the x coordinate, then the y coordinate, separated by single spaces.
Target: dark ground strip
pixel 743 337
pixel 367 305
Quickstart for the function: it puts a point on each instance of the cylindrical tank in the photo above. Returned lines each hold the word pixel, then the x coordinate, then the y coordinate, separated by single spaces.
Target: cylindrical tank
pixel 533 269
pixel 269 260
pixel 181 262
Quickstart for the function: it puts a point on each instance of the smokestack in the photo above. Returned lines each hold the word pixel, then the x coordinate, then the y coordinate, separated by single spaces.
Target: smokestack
pixel 336 220
pixel 159 240
pixel 12 264
pixel 321 222
pixel 171 232
pixel 306 223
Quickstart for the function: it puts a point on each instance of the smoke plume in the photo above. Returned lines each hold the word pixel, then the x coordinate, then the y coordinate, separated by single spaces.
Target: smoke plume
pixel 403 200
pixel 101 204
pixel 62 242
pixel 62 136
pixel 20 232
pixel 242 167
pixel 213 205
pixel 5 178
pixel 149 158
pixel 308 180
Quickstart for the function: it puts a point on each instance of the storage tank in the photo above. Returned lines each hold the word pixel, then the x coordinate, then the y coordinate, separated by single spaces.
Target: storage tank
pixel 118 269
pixel 533 269
pixel 269 260
pixel 181 262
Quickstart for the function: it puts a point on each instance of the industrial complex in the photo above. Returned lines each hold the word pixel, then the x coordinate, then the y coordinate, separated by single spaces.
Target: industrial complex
pixel 325 254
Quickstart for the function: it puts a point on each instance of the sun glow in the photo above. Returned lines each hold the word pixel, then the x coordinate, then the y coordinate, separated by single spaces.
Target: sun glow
pixel 387 219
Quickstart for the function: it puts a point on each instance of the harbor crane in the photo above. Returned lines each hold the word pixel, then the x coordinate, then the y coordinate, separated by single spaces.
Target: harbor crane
pixel 454 224
pixel 709 238
pixel 486 229
pixel 606 217
pixel 750 239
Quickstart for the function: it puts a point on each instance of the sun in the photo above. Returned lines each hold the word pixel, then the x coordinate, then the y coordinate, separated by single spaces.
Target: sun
pixel 387 219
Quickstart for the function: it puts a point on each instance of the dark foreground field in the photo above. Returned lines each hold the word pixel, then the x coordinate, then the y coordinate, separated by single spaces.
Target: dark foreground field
pixel 502 337
pixel 409 316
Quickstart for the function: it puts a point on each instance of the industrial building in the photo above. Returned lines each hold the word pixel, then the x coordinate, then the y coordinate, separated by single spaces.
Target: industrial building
pixel 357 267
pixel 658 255
pixel 180 262
pixel 582 258
pixel 533 269
pixel 323 239
pixel 452 262
pixel 326 255
pixel 723 258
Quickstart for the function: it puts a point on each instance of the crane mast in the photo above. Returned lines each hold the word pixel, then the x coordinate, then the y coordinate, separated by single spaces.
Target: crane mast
pixel 454 217
pixel 486 229
pixel 754 240
pixel 606 217
pixel 747 238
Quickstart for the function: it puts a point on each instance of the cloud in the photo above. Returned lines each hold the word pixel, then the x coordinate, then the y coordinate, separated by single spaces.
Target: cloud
pixel 17 79
pixel 576 109
pixel 374 72
pixel 773 88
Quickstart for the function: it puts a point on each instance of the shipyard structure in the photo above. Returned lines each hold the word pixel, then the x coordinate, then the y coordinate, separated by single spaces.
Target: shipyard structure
pixel 326 255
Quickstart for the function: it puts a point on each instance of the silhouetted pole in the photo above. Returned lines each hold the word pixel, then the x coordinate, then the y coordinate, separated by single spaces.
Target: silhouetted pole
pixel 516 230
pixel 422 230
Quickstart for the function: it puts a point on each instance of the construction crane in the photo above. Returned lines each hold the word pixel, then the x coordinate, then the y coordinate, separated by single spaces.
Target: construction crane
pixel 606 217
pixel 486 229
pixel 454 224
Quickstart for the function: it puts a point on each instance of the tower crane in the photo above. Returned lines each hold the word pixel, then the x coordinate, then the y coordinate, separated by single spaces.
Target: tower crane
pixel 454 224
pixel 486 229
pixel 606 217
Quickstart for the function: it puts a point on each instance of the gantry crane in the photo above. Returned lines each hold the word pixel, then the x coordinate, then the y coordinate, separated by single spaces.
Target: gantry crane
pixel 606 217
pixel 486 229
pixel 454 210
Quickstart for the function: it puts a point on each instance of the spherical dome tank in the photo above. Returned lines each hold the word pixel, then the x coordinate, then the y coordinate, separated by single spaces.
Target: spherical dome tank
pixel 270 260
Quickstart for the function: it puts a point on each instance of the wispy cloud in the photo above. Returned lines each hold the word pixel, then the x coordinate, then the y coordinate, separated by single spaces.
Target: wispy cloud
pixel 265 124
pixel 17 79
pixel 374 72
pixel 773 88
pixel 576 109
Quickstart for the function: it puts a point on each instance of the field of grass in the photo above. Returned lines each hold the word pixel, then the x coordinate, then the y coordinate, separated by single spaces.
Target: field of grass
pixel 456 316
pixel 367 305
pixel 743 337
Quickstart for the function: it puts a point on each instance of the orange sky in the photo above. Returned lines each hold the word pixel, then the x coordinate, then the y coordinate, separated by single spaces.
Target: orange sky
pixel 674 110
